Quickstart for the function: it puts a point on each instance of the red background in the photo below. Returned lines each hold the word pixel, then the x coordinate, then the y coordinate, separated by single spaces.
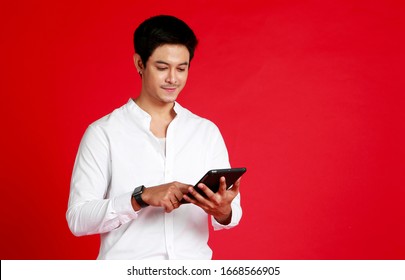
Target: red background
pixel 309 96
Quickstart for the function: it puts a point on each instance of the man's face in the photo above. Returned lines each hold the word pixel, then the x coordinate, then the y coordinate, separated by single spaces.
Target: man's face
pixel 165 74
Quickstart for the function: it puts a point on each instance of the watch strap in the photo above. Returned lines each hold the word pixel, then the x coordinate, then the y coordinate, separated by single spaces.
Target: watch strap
pixel 137 194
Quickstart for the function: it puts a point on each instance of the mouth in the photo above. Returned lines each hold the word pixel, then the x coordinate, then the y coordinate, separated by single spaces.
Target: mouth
pixel 169 89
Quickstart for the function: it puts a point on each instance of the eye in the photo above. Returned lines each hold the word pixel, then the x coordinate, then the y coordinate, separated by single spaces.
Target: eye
pixel 161 68
pixel 181 69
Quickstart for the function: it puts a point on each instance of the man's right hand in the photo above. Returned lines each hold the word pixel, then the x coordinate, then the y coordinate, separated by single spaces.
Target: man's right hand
pixel 167 196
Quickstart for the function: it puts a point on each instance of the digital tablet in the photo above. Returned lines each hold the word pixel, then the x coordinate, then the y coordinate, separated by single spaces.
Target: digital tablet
pixel 211 179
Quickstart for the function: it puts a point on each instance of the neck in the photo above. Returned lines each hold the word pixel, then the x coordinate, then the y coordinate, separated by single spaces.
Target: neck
pixel 161 116
pixel 160 110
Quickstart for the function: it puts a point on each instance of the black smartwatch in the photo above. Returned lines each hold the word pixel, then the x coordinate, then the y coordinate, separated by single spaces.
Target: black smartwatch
pixel 138 198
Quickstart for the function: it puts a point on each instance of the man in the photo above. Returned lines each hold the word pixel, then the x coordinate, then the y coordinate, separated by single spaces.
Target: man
pixel 135 165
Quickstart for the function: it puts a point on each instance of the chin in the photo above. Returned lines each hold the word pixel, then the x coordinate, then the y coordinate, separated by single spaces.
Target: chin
pixel 169 99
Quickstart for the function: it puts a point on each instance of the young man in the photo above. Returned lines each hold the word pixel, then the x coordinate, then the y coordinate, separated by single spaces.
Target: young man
pixel 135 165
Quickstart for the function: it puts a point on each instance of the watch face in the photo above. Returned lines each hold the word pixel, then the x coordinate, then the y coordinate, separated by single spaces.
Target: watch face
pixel 137 195
pixel 138 190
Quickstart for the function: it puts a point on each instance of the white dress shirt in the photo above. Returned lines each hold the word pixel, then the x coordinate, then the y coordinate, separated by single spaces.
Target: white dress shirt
pixel 117 154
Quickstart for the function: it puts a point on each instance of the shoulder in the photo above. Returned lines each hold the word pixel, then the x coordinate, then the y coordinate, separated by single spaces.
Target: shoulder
pixel 188 117
pixel 102 129
pixel 111 120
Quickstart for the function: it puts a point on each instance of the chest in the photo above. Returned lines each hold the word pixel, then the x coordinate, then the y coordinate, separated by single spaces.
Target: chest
pixel 137 158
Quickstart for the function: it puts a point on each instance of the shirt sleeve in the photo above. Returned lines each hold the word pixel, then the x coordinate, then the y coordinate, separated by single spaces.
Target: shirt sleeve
pixel 219 159
pixel 89 211
pixel 236 216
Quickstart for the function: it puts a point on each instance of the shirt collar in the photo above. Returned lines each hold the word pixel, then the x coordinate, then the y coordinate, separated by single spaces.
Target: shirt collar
pixel 178 108
pixel 133 107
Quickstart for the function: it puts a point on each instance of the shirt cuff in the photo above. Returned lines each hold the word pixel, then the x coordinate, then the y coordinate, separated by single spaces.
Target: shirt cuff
pixel 123 207
pixel 234 221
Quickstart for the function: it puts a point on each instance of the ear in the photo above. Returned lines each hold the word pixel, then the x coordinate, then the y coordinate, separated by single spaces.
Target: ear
pixel 138 63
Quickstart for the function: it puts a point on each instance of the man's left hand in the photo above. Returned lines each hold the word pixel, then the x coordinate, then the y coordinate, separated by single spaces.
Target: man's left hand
pixel 216 204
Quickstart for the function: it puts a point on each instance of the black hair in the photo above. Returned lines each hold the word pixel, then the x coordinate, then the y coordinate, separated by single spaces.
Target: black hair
pixel 160 30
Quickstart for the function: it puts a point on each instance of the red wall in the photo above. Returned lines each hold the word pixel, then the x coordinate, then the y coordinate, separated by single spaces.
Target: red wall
pixel 309 96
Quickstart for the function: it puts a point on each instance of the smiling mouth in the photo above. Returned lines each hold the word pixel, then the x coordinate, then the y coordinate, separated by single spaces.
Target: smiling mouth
pixel 171 89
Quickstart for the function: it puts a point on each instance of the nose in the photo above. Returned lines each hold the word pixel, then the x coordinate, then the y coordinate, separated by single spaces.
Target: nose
pixel 171 77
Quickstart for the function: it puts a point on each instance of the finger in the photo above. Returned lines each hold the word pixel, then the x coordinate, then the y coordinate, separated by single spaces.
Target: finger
pixel 189 199
pixel 200 201
pixel 222 185
pixel 184 188
pixel 168 207
pixel 197 197
pixel 175 204
pixel 209 194
pixel 178 195
pixel 235 187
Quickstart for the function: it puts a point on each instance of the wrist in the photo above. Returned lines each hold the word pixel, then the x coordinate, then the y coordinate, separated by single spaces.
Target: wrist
pixel 224 219
pixel 135 205
pixel 137 198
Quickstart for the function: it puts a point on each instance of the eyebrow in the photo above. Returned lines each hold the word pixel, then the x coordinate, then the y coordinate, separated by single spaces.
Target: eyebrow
pixel 165 63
